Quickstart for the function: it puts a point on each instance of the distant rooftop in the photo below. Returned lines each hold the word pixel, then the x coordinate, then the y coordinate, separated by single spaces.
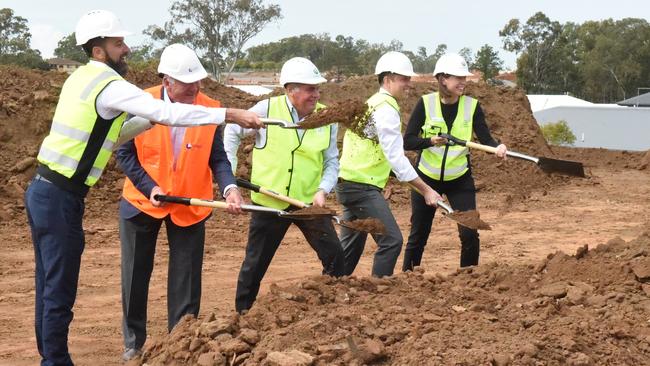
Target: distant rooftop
pixel 642 100
pixel 539 102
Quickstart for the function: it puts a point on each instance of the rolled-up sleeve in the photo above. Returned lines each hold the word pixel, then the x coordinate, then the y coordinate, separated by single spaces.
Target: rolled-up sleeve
pixel 387 121
pixel 121 96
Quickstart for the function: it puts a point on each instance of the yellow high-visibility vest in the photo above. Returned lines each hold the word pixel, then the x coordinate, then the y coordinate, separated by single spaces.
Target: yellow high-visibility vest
pixel 446 162
pixel 286 164
pixel 80 142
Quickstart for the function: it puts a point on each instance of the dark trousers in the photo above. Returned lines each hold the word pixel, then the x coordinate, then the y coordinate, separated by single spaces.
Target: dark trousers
pixel 138 237
pixel 461 194
pixel 362 201
pixel 55 218
pixel 265 233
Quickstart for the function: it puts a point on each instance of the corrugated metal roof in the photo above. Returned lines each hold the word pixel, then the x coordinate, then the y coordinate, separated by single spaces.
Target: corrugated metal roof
pixel 642 100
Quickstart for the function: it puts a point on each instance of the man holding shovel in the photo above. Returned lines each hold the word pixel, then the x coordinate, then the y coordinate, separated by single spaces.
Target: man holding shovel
pixel 301 164
pixel 176 161
pixel 366 163
pixel 445 167
pixel 87 121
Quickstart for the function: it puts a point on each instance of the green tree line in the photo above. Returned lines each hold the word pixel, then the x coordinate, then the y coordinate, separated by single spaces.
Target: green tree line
pixel 601 61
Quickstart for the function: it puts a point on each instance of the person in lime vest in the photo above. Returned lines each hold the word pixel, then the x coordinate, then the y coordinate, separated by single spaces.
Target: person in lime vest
pixel 178 161
pixel 446 168
pixel 92 106
pixel 367 161
pixel 301 164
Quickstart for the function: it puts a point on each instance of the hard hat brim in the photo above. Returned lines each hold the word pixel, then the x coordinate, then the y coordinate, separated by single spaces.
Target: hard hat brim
pixel 189 79
pixel 311 81
pixel 115 34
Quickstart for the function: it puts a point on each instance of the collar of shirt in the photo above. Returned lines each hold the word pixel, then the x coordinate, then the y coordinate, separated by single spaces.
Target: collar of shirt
pixel 384 91
pixel 101 64
pixel 292 110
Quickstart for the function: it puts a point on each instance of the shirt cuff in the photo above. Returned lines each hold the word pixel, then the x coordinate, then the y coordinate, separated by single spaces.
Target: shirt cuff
pixel 227 189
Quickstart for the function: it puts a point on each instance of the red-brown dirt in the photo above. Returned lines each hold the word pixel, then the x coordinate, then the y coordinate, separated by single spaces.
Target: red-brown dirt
pixel 526 304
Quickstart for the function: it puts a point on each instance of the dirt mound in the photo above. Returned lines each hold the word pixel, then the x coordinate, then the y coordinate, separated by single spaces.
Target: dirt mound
pixel 567 310
pixel 645 161
pixel 27 102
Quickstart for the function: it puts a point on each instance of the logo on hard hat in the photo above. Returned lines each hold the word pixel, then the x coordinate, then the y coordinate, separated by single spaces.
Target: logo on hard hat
pixel 315 71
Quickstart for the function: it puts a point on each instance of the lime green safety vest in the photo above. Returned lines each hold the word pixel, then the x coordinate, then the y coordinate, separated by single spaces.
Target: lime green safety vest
pixel 446 162
pixel 287 164
pixel 362 159
pixel 80 141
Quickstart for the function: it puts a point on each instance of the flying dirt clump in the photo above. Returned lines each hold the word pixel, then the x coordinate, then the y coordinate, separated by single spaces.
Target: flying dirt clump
pixel 351 113
pixel 370 225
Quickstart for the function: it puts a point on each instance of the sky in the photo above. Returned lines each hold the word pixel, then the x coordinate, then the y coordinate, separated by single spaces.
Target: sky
pixel 415 23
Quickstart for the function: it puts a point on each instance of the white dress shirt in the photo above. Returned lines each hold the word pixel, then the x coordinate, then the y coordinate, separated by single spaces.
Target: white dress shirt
pixel 234 133
pixel 122 96
pixel 388 130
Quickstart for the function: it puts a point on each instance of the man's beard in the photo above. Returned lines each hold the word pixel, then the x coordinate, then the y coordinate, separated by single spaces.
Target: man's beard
pixel 119 66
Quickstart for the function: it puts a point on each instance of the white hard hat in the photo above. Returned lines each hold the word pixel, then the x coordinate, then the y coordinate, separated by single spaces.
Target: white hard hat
pixel 181 63
pixel 452 64
pixel 395 62
pixel 98 23
pixel 300 70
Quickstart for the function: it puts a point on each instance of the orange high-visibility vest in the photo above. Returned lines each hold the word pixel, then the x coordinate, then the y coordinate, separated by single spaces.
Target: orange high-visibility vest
pixel 192 176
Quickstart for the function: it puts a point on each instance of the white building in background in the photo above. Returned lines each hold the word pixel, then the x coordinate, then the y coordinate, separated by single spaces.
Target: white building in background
pixel 608 126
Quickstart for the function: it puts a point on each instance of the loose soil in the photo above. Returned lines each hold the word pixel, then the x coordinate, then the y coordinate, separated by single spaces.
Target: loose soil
pixel 563 280
pixel 352 114
pixel 370 225
pixel 470 219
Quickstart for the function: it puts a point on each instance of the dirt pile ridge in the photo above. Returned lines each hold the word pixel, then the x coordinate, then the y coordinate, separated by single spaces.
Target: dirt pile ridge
pixel 589 308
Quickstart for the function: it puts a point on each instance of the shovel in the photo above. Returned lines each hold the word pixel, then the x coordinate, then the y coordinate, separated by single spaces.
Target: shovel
pixel 469 219
pixel 277 122
pixel 223 205
pixel 548 165
pixel 370 226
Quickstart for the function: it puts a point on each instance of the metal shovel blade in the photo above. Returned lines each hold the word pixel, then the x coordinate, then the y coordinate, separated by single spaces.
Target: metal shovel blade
pixel 561 166
pixel 279 122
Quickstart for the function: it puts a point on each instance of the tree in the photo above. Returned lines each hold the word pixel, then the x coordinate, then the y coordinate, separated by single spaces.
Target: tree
pixel 558 133
pixel 534 41
pixel 15 42
pixel 487 61
pixel 14 33
pixel 466 53
pixel 67 48
pixel 216 29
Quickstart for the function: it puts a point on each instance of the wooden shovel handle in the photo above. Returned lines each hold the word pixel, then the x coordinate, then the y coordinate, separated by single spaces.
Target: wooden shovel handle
pixel 265 191
pixel 474 145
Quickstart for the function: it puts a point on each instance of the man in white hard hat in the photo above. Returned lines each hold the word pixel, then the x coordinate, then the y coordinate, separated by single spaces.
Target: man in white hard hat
pixel 301 164
pixel 446 168
pixel 92 106
pixel 175 161
pixel 366 163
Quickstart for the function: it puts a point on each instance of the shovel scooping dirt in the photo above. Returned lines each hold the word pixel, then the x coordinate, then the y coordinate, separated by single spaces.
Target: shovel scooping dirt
pixel 369 225
pixel 470 219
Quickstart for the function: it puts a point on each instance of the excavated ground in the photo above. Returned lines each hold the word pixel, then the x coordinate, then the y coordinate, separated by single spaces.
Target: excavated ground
pixel 528 303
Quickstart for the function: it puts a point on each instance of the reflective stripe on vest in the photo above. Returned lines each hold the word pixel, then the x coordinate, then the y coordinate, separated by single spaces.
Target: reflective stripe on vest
pixel 190 177
pixel 80 142
pixel 362 159
pixel 287 164
pixel 446 162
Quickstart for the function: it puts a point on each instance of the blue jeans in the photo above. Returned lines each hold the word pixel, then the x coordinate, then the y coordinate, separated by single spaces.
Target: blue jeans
pixel 55 218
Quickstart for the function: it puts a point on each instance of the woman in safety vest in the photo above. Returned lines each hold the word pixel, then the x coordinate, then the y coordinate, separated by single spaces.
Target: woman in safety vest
pixel 446 168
